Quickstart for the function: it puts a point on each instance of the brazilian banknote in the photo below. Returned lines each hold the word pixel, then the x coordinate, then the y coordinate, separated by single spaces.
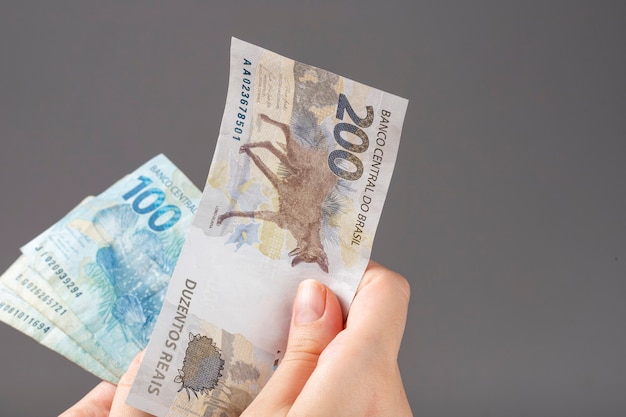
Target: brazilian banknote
pixel 32 288
pixel 295 190
pixel 110 260
pixel 19 314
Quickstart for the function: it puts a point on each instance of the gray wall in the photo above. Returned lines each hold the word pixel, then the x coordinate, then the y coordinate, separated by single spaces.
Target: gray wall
pixel 506 210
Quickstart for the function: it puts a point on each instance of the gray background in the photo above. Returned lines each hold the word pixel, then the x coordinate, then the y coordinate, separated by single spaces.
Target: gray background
pixel 506 211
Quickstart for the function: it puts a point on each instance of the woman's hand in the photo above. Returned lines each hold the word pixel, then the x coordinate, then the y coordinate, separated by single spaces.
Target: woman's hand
pixel 328 370
pixel 106 399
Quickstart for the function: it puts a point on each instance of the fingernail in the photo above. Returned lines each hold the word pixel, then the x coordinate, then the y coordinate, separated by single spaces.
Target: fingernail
pixel 310 302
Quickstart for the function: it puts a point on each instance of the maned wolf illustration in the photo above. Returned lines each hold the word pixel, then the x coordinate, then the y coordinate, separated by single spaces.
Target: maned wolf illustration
pixel 301 193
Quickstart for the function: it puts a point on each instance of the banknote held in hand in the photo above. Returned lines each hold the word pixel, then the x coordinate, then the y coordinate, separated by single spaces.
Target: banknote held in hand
pixel 295 190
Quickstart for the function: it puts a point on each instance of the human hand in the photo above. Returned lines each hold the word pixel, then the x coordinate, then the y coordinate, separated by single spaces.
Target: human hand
pixel 106 399
pixel 332 370
pixel 328 369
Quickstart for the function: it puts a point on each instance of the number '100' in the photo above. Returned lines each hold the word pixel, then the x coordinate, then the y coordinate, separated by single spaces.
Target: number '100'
pixel 150 200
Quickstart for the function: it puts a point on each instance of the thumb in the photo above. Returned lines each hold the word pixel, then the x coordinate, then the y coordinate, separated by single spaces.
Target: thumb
pixel 315 321
pixel 119 407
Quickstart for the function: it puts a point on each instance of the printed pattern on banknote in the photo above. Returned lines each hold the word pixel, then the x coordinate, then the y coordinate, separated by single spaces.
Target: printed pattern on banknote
pixel 20 315
pixel 32 289
pixel 112 259
pixel 29 285
pixel 295 190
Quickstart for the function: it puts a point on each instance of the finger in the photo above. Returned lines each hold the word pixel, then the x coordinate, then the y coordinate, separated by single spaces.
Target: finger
pixel 316 320
pixel 380 306
pixel 119 408
pixel 357 374
pixel 97 402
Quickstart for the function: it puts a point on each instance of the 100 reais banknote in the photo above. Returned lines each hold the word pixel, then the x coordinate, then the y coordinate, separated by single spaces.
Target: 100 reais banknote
pixel 92 285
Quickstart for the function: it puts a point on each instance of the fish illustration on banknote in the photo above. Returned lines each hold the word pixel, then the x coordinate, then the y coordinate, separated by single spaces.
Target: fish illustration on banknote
pixel 111 259
pixel 136 265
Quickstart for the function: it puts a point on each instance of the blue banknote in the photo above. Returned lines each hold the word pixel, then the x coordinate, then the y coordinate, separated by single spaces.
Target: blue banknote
pixel 111 260
pixel 20 315
pixel 34 290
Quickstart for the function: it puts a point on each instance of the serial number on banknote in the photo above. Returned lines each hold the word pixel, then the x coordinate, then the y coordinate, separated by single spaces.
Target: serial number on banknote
pixel 246 88
pixel 61 274
pixel 41 294
pixel 25 317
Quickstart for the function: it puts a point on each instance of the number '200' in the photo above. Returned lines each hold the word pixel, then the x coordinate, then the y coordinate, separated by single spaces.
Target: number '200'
pixel 150 201
pixel 360 144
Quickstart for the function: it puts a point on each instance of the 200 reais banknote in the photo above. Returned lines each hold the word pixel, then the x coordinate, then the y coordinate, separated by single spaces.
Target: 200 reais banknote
pixel 295 190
